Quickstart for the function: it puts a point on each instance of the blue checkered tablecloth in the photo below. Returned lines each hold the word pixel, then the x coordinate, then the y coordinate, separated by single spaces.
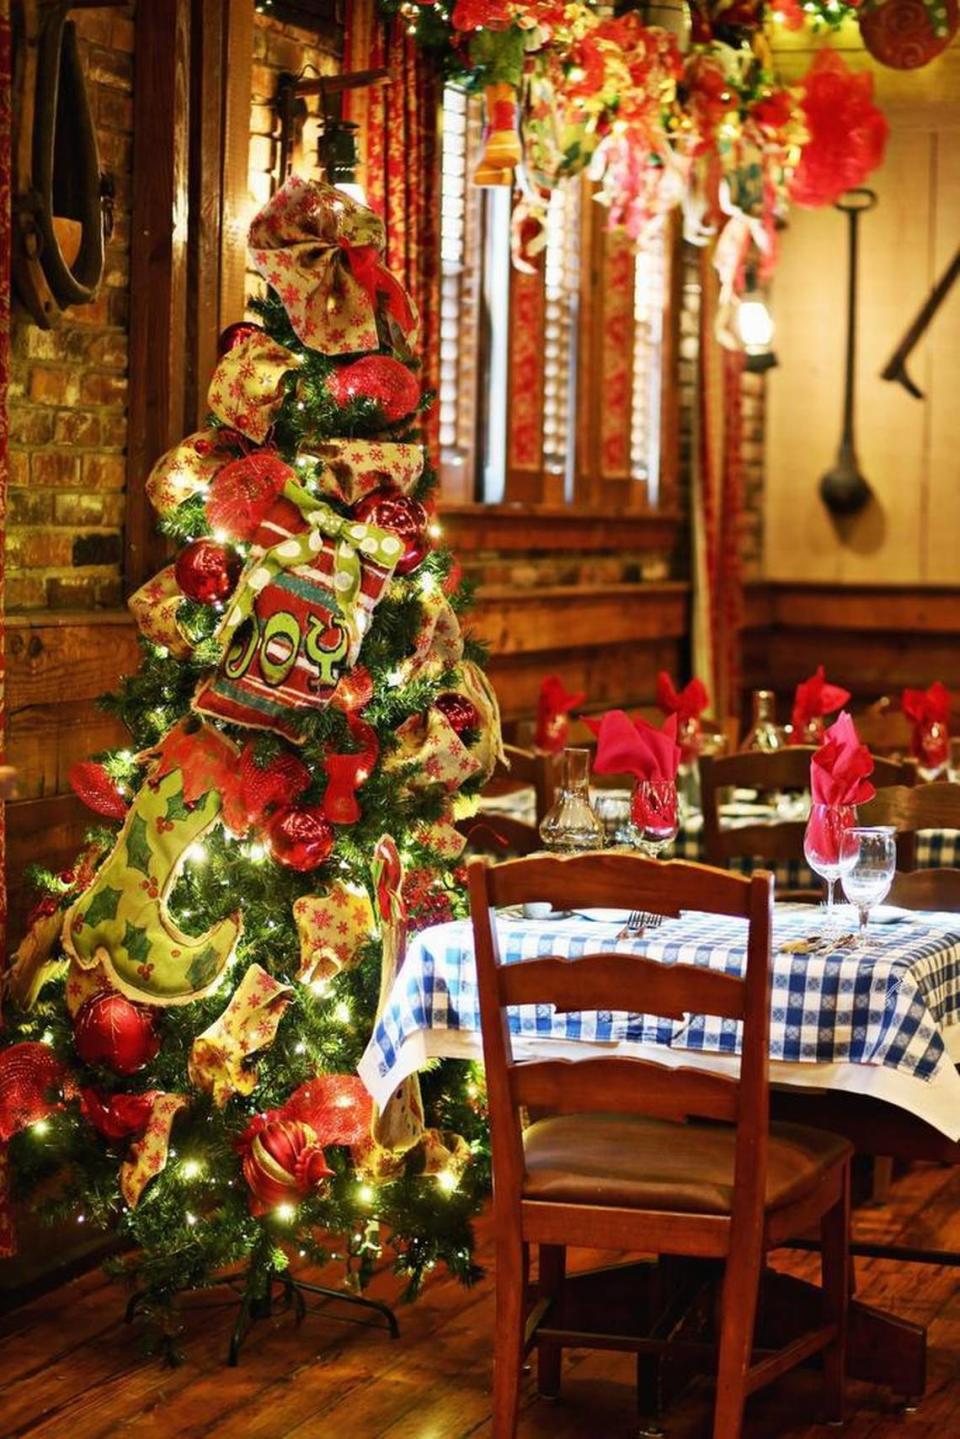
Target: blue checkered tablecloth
pixel 887 1005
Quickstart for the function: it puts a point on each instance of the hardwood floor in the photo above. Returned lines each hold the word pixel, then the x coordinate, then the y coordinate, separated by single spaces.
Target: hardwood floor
pixel 71 1369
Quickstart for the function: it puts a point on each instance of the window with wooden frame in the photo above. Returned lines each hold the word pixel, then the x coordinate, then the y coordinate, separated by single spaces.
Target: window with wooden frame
pixel 554 386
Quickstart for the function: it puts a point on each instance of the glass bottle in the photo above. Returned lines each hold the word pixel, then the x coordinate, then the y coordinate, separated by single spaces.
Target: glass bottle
pixel 571 825
pixel 765 733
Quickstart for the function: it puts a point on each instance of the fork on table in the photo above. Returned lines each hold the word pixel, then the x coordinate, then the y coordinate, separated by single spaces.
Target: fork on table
pixel 640 919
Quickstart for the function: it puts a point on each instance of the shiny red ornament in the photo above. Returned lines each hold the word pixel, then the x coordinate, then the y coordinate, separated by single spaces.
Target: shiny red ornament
pixel 274 785
pixel 116 1116
pixel 354 690
pixel 282 1162
pixel 405 516
pixel 31 1080
pixel 243 491
pixel 394 388
pixel 847 133
pixel 461 714
pixel 301 839
pixel 207 571
pixel 91 783
pixel 235 335
pixel 113 1033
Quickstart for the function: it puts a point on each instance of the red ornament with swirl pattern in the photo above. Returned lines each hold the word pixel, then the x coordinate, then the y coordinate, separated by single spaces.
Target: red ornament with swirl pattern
pixel 905 34
pixel 405 516
pixel 282 1162
pixel 394 388
pixel 300 839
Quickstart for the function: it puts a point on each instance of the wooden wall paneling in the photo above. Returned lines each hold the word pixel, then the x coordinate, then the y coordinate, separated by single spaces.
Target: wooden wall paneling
pixel 158 262
pixel 236 209
pixel 903 243
pixel 207 69
pixel 588 349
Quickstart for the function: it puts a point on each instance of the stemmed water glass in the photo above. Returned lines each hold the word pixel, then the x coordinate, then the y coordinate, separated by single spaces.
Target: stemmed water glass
pixel 868 859
pixel 654 813
pixel 821 845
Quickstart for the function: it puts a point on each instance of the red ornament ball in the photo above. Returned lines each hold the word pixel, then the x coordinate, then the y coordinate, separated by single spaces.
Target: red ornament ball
pixel 406 517
pixel 460 713
pixel 243 492
pixel 300 838
pixel 112 1032
pixel 381 378
pixel 207 571
pixel 283 1162
pixel 235 335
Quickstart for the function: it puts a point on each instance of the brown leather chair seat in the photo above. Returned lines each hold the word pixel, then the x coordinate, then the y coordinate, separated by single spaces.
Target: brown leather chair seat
pixel 639 1163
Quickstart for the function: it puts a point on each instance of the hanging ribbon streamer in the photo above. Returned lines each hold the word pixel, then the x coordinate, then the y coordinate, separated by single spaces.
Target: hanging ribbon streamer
pixel 219 1057
pixel 148 1155
pixel 332 928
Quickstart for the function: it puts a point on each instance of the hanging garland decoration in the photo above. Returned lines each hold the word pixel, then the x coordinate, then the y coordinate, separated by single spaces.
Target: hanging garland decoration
pixel 684 112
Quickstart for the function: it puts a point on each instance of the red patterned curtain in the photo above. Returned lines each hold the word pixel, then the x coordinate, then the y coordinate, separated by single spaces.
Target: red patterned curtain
pixel 399 138
pixel 5 182
pixel 717 507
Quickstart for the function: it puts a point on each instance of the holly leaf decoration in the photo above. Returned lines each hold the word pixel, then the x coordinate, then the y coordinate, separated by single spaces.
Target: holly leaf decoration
pixel 139 853
pixel 136 942
pixel 203 967
pixel 176 807
pixel 103 906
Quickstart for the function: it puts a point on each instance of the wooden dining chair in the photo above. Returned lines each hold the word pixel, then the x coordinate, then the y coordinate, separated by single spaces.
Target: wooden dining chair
pixel 885 729
pixel 525 769
pixel 912 808
pixel 927 889
pixel 636 1155
pixel 501 836
pixel 769 772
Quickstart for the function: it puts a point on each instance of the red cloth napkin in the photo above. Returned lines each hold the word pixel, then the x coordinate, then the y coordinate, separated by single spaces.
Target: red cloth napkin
pixel 626 746
pixel 813 699
pixel 688 703
pixel 929 710
pixel 553 714
pixel 839 770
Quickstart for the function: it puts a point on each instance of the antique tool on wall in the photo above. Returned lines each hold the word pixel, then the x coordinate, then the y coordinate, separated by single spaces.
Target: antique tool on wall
pixel 62 205
pixel 896 366
pixel 843 489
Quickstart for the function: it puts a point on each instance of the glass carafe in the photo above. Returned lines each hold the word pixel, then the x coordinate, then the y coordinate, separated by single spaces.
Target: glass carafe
pixel 571 825
pixel 765 733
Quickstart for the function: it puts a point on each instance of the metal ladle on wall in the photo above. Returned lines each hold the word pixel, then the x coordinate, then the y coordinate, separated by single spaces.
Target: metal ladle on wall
pixel 843 488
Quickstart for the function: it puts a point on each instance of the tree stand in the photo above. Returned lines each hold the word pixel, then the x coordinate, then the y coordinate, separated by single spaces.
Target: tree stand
pixel 258 1302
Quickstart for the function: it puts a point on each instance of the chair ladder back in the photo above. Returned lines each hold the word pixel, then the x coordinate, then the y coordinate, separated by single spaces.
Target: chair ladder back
pixel 910 808
pixel 621 881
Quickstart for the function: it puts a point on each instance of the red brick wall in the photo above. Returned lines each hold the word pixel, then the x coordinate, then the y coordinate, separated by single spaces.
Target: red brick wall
pixel 68 390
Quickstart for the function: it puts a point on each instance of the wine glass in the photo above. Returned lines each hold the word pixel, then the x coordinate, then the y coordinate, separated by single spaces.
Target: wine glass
pixel 654 812
pixel 821 844
pixel 868 862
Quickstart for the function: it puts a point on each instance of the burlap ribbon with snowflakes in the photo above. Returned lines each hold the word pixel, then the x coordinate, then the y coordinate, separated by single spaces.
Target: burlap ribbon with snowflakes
pixel 248 386
pixel 332 928
pixel 354 468
pixel 321 252
pixel 220 1057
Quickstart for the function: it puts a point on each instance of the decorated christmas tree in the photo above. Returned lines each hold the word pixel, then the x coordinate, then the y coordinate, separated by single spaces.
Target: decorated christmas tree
pixel 184 1018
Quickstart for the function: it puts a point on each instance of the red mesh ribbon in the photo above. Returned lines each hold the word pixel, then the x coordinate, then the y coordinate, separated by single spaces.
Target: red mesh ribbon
pixel 368 270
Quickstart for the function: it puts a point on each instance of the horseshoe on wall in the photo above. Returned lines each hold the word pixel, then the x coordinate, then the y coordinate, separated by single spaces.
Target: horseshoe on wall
pixel 62 206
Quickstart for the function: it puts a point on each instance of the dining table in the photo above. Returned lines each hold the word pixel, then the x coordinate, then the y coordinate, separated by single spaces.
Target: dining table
pixel 868 1028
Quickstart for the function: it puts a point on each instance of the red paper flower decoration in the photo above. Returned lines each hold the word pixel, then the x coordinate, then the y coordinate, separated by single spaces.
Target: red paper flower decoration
pixel 243 491
pixel 848 134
